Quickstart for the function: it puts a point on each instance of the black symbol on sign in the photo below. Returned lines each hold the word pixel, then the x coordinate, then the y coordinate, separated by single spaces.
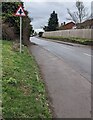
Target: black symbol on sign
pixel 20 11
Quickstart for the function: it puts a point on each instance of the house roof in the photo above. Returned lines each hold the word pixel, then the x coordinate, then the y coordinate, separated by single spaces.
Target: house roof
pixel 85 24
pixel 69 25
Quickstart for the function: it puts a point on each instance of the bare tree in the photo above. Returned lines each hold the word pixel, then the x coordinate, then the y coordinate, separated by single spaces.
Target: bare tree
pixel 79 15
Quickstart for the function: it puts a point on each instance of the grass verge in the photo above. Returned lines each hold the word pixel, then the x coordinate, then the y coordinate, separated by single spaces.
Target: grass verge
pixel 24 93
pixel 72 40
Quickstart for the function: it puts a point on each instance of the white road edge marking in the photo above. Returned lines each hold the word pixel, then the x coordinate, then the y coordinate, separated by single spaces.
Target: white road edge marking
pixel 87 54
pixel 67 48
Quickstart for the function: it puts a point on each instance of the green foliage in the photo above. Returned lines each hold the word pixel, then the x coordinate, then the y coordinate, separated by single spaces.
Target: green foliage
pixel 8 10
pixel 10 7
pixel 52 23
pixel 72 40
pixel 0 9
pixel 12 81
pixel 23 92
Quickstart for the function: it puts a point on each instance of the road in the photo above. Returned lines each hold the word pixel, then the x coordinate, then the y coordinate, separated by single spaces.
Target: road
pixel 79 58
pixel 68 88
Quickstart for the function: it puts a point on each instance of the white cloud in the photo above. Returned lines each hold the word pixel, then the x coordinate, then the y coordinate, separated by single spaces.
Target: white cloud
pixel 39 30
pixel 40 11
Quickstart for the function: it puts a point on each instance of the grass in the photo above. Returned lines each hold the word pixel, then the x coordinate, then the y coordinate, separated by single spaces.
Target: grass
pixel 24 94
pixel 0 78
pixel 71 39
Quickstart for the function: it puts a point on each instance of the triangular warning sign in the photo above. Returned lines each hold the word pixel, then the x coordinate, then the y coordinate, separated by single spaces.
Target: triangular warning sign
pixel 20 11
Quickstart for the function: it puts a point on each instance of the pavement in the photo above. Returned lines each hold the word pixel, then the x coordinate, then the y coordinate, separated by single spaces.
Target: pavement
pixel 69 91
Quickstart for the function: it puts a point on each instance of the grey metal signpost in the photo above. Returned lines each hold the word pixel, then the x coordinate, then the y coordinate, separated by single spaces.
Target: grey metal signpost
pixel 20 12
pixel 20 34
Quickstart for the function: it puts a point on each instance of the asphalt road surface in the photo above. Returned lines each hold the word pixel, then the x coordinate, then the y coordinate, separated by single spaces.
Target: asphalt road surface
pixel 79 58
pixel 66 74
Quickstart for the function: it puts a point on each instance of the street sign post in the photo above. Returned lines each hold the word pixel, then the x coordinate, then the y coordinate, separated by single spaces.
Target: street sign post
pixel 20 12
pixel 20 34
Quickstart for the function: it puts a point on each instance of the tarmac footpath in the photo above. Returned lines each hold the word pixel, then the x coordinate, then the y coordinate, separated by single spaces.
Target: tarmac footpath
pixel 69 91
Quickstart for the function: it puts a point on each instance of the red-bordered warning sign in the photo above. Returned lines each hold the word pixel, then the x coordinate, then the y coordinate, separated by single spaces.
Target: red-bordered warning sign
pixel 20 11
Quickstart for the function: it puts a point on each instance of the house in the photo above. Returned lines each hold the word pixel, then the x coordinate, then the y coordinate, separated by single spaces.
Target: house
pixel 70 25
pixel 88 24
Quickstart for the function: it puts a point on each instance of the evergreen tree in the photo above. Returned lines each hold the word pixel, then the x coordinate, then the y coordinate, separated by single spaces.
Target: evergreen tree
pixel 52 23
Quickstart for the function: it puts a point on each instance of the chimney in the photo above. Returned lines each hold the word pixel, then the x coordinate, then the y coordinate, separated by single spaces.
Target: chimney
pixel 61 24
pixel 64 23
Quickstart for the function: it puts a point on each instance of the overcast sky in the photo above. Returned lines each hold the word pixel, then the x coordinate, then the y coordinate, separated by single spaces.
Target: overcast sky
pixel 40 10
